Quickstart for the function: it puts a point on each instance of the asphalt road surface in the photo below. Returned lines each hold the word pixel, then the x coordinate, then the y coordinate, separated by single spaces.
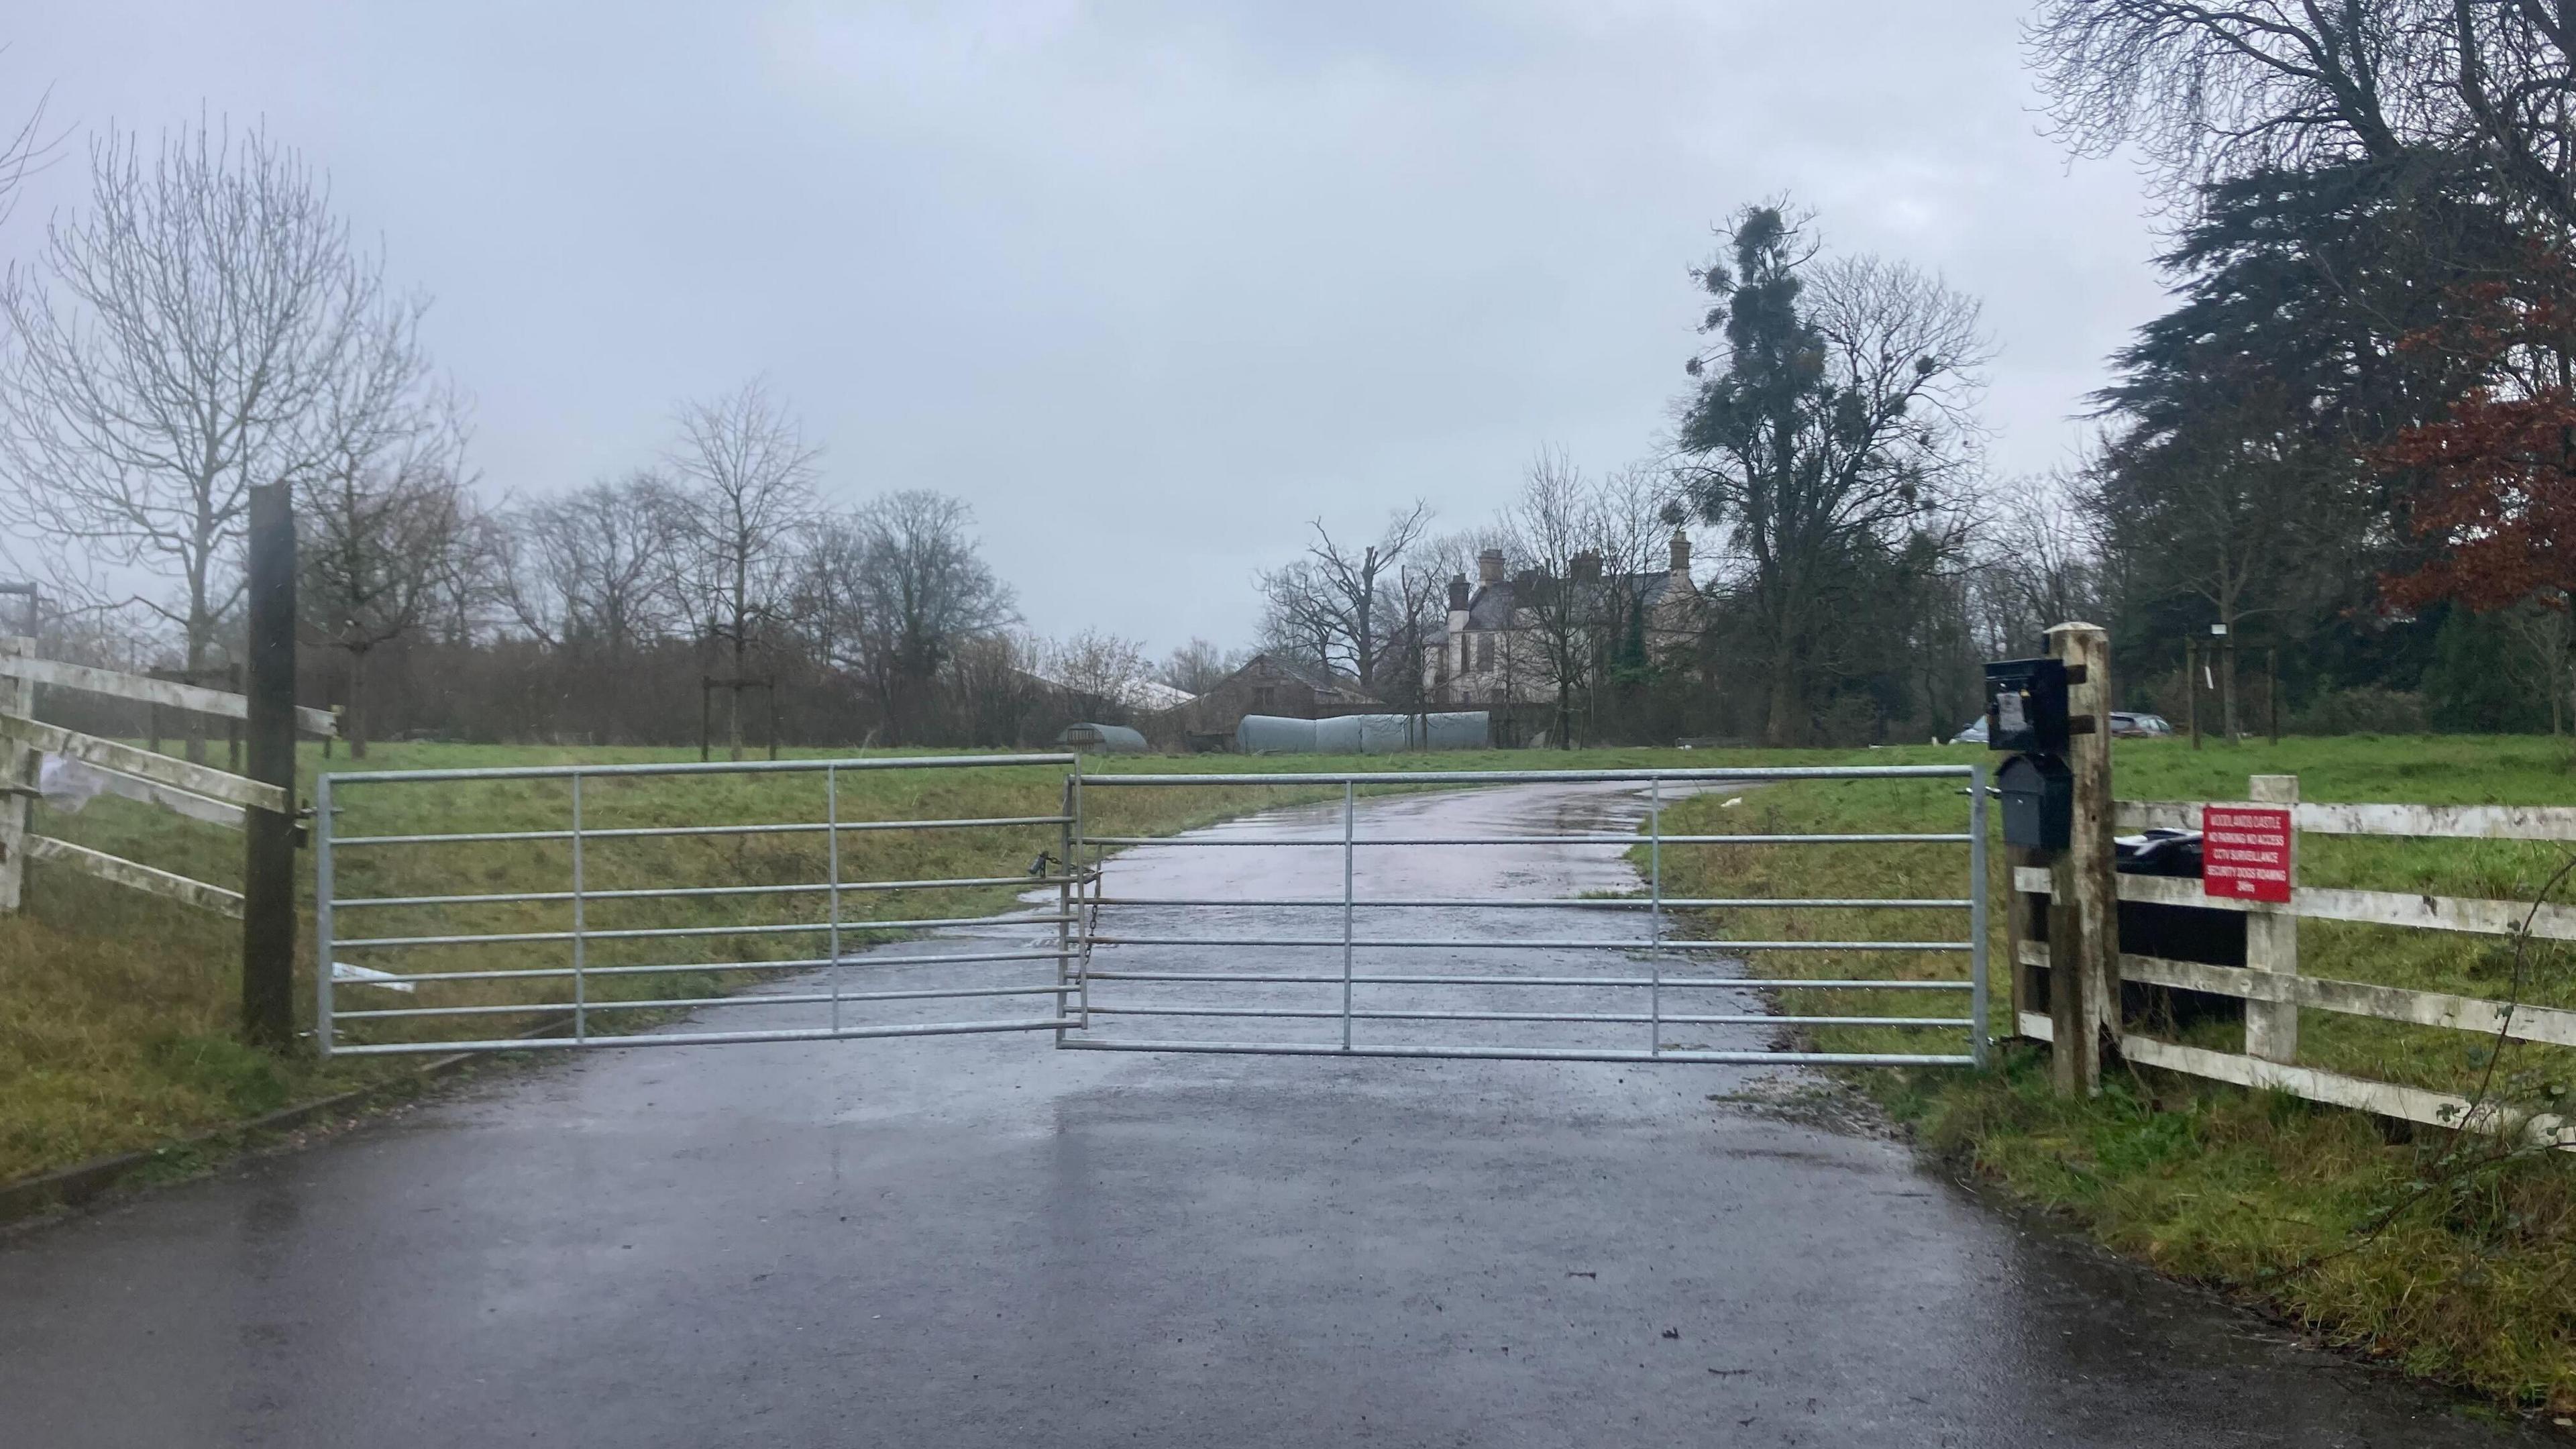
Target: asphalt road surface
pixel 977 1240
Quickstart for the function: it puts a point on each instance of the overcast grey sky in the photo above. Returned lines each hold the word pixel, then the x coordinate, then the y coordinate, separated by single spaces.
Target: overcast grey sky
pixel 1150 284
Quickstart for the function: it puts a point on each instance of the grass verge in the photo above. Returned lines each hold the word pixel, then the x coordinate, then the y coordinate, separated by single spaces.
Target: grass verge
pixel 2459 1268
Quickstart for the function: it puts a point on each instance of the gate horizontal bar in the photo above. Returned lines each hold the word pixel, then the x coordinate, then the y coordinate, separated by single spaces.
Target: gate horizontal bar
pixel 1053 988
pixel 1614 1018
pixel 1552 777
pixel 1525 1054
pixel 684 892
pixel 639 832
pixel 1622 944
pixel 720 767
pixel 639 933
pixel 1284 979
pixel 699 1038
pixel 540 973
pixel 1337 842
pixel 1636 903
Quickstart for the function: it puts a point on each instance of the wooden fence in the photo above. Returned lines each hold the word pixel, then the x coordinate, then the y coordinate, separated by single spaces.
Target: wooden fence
pixel 197 791
pixel 2272 983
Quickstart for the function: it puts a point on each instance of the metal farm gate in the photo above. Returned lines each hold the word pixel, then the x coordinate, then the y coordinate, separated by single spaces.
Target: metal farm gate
pixel 1486 974
pixel 1317 940
pixel 629 904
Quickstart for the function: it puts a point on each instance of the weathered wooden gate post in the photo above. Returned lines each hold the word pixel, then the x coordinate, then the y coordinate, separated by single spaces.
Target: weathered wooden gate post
pixel 17 777
pixel 2083 915
pixel 268 858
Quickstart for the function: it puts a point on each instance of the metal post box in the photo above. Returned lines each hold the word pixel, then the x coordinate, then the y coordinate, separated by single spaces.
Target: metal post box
pixel 2026 705
pixel 2039 802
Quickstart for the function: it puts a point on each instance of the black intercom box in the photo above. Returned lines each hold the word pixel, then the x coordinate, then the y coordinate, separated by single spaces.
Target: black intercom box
pixel 2026 706
pixel 2039 802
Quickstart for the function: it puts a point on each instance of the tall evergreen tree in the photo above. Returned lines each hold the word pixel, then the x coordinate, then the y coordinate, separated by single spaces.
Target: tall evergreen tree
pixel 2241 482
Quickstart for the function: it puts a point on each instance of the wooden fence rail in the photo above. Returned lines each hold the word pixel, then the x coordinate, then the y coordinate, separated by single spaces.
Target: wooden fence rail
pixel 2432 822
pixel 165 692
pixel 2274 987
pixel 143 764
pixel 197 791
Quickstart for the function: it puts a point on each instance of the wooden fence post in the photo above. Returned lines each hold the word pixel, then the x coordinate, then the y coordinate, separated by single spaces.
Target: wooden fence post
pixel 268 857
pixel 2272 938
pixel 2083 924
pixel 17 774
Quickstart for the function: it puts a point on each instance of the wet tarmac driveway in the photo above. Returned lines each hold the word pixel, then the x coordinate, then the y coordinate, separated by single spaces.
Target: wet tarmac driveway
pixel 978 1241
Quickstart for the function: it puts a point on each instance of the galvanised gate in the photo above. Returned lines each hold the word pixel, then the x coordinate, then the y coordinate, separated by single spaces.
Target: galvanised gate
pixel 624 898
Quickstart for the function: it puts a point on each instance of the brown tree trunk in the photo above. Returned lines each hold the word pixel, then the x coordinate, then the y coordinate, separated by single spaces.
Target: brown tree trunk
pixel 1786 726
pixel 354 723
pixel 193 722
pixel 733 710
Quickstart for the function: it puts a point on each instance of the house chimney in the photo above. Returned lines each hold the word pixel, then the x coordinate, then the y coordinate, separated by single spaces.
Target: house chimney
pixel 1458 593
pixel 1681 553
pixel 1586 567
pixel 1489 566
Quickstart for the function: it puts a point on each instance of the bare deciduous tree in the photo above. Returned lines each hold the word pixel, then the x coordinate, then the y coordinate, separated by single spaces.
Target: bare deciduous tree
pixel 2217 88
pixel 1552 526
pixel 22 151
pixel 206 325
pixel 1099 670
pixel 588 576
pixel 2543 633
pixel 899 588
pixel 2041 563
pixel 1199 666
pixel 386 535
pixel 1329 600
pixel 748 494
pixel 1297 621
pixel 586 569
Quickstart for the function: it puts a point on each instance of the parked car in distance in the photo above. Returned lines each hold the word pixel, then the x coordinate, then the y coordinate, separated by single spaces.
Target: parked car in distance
pixel 2126 724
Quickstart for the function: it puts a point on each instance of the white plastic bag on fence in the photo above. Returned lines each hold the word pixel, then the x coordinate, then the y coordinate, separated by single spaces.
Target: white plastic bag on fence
pixel 68 784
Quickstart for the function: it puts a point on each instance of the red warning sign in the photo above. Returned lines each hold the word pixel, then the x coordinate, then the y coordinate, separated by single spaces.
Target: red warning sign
pixel 2245 852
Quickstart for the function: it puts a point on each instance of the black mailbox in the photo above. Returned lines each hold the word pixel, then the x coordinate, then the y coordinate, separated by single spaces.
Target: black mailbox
pixel 2039 802
pixel 2026 705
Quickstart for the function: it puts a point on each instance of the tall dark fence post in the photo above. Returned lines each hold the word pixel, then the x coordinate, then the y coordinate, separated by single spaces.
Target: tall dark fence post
pixel 268 865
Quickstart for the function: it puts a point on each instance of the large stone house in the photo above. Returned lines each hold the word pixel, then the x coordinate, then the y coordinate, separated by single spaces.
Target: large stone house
pixel 1496 650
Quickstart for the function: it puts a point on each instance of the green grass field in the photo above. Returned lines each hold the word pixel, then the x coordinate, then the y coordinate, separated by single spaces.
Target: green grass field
pixel 2362 1230
pixel 118 1010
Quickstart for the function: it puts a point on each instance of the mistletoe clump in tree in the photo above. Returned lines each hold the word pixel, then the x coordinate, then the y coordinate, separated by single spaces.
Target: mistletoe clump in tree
pixel 1831 434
